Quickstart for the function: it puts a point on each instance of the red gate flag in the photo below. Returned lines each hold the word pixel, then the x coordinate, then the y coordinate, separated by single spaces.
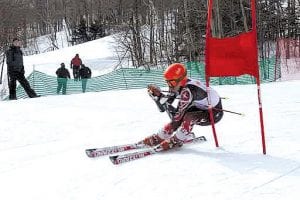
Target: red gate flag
pixel 232 56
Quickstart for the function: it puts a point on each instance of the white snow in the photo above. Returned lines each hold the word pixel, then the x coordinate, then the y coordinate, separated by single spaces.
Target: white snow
pixel 42 143
pixel 97 54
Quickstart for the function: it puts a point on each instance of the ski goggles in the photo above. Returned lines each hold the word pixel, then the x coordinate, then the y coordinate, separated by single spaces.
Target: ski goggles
pixel 172 83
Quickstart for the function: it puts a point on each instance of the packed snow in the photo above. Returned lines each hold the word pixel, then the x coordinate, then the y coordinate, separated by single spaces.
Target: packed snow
pixel 42 143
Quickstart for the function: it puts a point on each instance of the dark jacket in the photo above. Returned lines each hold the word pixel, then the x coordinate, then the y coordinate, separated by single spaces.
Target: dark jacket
pixel 14 60
pixel 62 72
pixel 85 72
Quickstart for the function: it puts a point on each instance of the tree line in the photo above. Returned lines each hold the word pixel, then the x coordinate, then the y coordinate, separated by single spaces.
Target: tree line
pixel 149 32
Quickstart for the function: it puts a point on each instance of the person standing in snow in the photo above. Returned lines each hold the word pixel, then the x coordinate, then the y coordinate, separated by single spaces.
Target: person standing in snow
pixel 62 78
pixel 84 73
pixel 192 108
pixel 75 65
pixel 16 72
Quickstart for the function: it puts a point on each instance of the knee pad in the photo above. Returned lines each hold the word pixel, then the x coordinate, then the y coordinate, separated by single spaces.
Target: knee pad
pixel 165 132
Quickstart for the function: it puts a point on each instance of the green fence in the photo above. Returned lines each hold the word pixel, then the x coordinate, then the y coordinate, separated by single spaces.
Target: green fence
pixel 130 78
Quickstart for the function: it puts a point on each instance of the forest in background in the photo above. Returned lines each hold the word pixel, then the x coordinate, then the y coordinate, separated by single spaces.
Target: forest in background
pixel 149 32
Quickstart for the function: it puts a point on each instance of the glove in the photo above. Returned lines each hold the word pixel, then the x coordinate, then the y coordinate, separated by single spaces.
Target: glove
pixel 154 90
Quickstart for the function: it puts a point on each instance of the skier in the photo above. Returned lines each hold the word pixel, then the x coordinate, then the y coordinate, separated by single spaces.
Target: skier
pixel 75 65
pixel 192 108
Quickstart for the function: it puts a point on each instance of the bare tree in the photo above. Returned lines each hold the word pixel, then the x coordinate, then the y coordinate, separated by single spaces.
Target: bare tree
pixel 151 32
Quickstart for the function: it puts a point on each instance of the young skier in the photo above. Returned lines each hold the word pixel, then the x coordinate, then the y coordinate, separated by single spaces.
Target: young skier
pixel 192 108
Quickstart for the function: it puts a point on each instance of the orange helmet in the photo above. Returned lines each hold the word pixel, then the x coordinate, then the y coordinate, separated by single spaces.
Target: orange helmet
pixel 175 75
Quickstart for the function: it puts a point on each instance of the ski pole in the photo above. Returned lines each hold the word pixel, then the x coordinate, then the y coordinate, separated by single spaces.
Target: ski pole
pixel 232 112
pixel 169 93
pixel 224 97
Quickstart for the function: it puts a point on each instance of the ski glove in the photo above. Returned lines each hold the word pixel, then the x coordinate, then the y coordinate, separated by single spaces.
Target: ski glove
pixel 154 90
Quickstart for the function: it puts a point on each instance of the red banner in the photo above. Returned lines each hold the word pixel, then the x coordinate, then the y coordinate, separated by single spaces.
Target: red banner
pixel 232 56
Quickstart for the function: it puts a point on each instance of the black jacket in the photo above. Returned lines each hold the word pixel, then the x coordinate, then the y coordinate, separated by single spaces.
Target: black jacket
pixel 62 72
pixel 14 60
pixel 85 72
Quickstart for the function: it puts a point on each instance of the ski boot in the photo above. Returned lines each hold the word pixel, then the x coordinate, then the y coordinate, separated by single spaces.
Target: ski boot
pixel 174 142
pixel 152 140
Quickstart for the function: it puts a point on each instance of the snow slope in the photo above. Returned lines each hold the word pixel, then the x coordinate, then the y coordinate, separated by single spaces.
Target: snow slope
pixel 97 54
pixel 42 144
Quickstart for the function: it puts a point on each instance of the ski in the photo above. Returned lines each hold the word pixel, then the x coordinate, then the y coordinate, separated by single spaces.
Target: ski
pixel 119 159
pixel 96 152
pixel 123 158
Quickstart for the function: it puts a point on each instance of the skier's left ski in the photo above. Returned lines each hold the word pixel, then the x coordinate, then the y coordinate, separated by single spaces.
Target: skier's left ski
pixel 96 152
pixel 123 158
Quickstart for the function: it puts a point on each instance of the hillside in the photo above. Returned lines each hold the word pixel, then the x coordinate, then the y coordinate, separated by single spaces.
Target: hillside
pixel 42 144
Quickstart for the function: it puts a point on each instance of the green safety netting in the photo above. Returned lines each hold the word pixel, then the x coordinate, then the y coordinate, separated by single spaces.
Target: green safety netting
pixel 131 78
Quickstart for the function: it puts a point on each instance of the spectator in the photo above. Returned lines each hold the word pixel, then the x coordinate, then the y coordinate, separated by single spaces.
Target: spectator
pixel 75 65
pixel 15 69
pixel 62 78
pixel 85 73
